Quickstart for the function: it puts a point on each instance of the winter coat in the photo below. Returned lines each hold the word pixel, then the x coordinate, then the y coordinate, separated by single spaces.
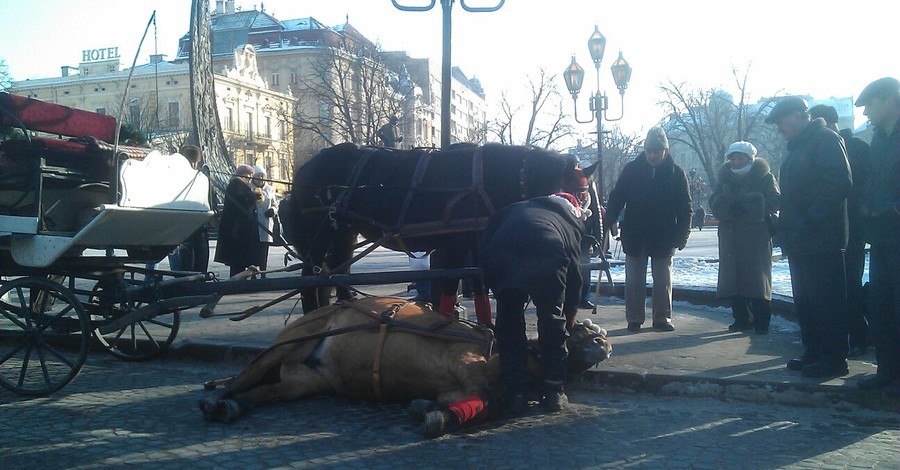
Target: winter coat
pixel 657 205
pixel 858 157
pixel 881 194
pixel 815 182
pixel 238 240
pixel 266 208
pixel 742 203
pixel 534 247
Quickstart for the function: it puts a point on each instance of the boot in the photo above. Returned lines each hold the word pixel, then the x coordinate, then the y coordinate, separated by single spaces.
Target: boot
pixel 740 310
pixel 762 314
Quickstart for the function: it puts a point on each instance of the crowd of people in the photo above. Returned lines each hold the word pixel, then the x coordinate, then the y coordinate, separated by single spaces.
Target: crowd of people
pixel 831 196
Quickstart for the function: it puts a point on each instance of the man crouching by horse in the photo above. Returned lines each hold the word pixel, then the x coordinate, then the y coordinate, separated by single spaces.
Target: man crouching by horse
pixel 532 249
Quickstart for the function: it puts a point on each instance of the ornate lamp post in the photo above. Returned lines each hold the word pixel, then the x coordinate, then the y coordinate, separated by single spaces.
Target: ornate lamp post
pixel 446 6
pixel 574 77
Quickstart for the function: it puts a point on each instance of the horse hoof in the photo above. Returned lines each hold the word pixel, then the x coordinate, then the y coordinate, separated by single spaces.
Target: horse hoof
pixel 419 407
pixel 221 411
pixel 435 424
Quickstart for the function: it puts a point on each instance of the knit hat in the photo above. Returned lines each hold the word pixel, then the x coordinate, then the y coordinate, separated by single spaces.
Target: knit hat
pixel 656 139
pixel 824 111
pixel 258 170
pixel 743 147
pixel 244 170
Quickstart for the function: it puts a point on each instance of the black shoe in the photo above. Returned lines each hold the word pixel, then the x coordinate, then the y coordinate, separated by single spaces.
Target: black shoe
pixel 875 382
pixel 634 327
pixel 740 326
pixel 825 369
pixel 586 304
pixel 856 351
pixel 761 331
pixel 799 363
pixel 555 401
pixel 664 326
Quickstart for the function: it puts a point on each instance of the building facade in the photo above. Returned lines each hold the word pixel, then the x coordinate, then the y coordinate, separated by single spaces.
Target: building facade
pixel 254 119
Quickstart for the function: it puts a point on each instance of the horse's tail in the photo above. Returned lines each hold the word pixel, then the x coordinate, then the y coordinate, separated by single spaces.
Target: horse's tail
pixel 291 221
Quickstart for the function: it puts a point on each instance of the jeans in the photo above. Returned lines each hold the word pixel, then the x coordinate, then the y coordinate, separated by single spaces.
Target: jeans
pixel 636 287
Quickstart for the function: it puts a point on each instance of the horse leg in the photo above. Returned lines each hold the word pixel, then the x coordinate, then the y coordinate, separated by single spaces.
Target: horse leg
pixel 482 303
pixel 444 259
pixel 341 252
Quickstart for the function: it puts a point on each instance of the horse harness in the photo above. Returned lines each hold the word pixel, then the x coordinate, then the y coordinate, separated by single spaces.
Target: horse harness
pixel 384 321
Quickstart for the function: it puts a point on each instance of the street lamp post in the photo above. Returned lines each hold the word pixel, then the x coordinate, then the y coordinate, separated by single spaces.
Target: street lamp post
pixel 574 77
pixel 446 26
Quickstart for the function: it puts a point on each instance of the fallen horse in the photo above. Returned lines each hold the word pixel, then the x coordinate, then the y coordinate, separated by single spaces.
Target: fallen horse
pixel 386 349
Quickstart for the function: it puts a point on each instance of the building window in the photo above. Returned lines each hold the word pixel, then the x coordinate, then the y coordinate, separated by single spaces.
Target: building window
pixel 134 114
pixel 269 127
pixel 249 127
pixel 295 78
pixel 275 79
pixel 250 158
pixel 268 160
pixel 173 115
pixel 229 120
pixel 101 111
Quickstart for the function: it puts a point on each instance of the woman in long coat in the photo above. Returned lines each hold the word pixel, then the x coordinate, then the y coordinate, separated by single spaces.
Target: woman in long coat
pixel 238 241
pixel 744 201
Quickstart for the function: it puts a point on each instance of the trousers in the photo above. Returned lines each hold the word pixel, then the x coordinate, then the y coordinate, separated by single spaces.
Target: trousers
pixel 636 287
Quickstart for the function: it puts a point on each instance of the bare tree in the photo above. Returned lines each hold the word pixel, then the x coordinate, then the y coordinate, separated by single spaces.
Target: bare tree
pixel 706 121
pixel 346 96
pixel 546 123
pixel 5 78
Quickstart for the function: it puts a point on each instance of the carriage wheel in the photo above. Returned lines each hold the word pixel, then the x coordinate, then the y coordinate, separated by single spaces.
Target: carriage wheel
pixel 138 341
pixel 44 336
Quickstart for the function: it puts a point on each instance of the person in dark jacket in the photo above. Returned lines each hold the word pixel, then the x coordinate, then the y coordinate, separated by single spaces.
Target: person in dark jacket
pixel 388 133
pixel 880 211
pixel 745 196
pixel 585 191
pixel 855 254
pixel 238 242
pixel 655 195
pixel 812 228
pixel 531 249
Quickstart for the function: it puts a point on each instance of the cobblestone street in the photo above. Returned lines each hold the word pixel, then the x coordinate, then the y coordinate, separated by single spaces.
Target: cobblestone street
pixel 145 415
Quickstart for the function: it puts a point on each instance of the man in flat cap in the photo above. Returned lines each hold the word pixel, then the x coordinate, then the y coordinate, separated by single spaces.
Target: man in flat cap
pixel 855 254
pixel 815 182
pixel 654 193
pixel 880 207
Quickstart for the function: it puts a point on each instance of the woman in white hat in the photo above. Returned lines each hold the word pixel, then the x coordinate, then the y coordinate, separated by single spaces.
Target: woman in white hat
pixel 744 201
pixel 266 208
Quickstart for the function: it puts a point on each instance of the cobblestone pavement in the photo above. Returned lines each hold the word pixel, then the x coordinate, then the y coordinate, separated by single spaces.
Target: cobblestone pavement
pixel 144 415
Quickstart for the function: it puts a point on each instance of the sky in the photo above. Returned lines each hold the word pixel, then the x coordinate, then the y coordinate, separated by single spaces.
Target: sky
pixel 822 49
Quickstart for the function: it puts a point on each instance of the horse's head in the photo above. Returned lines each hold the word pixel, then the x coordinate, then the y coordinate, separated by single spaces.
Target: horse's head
pixel 588 346
pixel 577 182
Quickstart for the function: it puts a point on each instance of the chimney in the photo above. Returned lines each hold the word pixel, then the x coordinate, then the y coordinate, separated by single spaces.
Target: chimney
pixel 229 7
pixel 65 70
pixel 219 8
pixel 156 58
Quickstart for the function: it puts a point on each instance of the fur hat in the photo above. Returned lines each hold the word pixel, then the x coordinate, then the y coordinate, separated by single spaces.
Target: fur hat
pixel 244 170
pixel 258 170
pixel 656 139
pixel 743 147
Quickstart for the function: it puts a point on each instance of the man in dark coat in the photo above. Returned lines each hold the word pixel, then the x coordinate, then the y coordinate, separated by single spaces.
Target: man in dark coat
pixel 855 254
pixel 388 133
pixel 531 249
pixel 880 210
pixel 238 241
pixel 815 182
pixel 655 195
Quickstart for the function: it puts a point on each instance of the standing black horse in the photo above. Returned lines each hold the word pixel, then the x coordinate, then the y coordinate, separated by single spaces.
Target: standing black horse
pixel 411 200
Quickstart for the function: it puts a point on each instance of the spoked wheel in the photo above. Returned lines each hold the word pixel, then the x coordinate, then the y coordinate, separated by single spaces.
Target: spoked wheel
pixel 137 341
pixel 44 336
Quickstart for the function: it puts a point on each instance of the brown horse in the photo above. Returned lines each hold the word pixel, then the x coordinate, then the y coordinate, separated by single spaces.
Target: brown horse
pixel 385 348
pixel 411 200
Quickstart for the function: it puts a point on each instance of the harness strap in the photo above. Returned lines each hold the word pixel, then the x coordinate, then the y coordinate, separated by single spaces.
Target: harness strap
pixel 477 187
pixel 419 174
pixel 376 364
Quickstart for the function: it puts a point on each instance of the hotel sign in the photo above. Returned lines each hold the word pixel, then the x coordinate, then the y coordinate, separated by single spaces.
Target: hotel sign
pixel 93 55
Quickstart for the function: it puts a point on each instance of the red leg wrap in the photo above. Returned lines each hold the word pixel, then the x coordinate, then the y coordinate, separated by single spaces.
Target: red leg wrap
pixel 448 305
pixel 483 309
pixel 467 408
